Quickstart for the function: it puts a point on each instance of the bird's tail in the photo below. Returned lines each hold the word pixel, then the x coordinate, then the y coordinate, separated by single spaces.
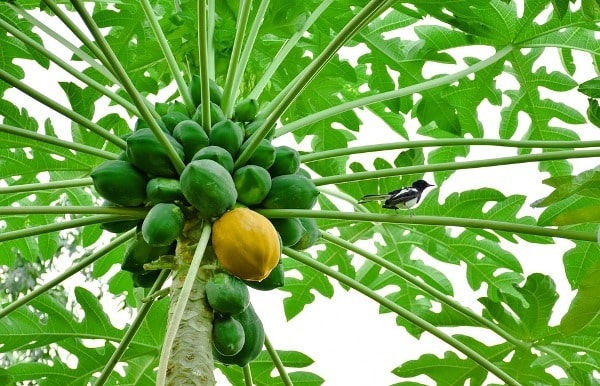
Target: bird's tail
pixel 373 197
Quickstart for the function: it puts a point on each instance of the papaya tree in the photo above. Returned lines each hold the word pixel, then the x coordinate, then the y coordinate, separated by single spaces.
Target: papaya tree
pixel 169 161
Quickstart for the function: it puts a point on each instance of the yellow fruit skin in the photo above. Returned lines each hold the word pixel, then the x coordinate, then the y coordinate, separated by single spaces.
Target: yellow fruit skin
pixel 246 244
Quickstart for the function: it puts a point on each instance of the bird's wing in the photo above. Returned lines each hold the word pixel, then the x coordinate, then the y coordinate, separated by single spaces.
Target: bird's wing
pixel 402 196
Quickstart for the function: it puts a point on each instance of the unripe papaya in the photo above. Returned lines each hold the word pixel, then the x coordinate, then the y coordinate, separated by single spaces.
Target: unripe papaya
pixel 177 106
pixel 311 234
pixel 252 184
pixel 291 191
pixel 216 114
pixel 226 294
pixel 215 91
pixel 246 244
pixel 120 182
pixel 287 161
pixel 171 119
pixel 144 279
pixel 252 127
pixel 161 189
pixel 303 172
pixel 192 136
pixel 161 108
pixel 263 156
pixel 163 224
pixel 217 154
pixel 117 226
pixel 141 124
pixel 290 230
pixel 209 187
pixel 254 334
pixel 275 279
pixel 228 135
pixel 245 110
pixel 147 153
pixel 228 335
pixel 138 252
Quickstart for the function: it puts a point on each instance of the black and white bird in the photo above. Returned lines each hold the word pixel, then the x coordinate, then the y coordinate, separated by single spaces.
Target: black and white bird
pixel 403 198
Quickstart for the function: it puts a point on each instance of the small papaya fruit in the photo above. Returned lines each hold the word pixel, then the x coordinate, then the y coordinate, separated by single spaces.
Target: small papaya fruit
pixel 192 136
pixel 216 114
pixel 287 161
pixel 177 106
pixel 171 119
pixel 246 244
pixel 163 224
pixel 291 191
pixel 142 124
pixel 161 189
pixel 228 135
pixel 120 182
pixel 215 91
pixel 226 294
pixel 252 127
pixel 117 226
pixel 263 156
pixel 147 153
pixel 311 234
pixel 145 279
pixel 245 110
pixel 228 335
pixel 138 252
pixel 254 335
pixel 252 184
pixel 290 229
pixel 161 108
pixel 217 154
pixel 208 187
pixel 275 279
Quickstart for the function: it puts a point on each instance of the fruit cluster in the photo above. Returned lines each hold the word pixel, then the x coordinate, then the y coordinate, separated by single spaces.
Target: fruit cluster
pixel 246 244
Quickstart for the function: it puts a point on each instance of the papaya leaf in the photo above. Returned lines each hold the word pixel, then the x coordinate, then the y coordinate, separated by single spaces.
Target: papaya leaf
pixel 593 112
pixel 586 304
pixel 578 216
pixel 590 88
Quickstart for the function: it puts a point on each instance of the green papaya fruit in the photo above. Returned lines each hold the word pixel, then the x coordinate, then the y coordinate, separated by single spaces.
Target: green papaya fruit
pixel 122 156
pixel 245 110
pixel 228 335
pixel 141 124
pixel 275 279
pixel 163 224
pixel 252 127
pixel 147 153
pixel 215 91
pixel 252 184
pixel 170 120
pixel 138 252
pixel 117 226
pixel 290 229
pixel 161 108
pixel 177 106
pixel 144 279
pixel 291 191
pixel 216 114
pixel 254 334
pixel 120 182
pixel 217 154
pixel 226 294
pixel 161 189
pixel 228 135
pixel 303 172
pixel 263 156
pixel 287 161
pixel 208 187
pixel 311 234
pixel 192 136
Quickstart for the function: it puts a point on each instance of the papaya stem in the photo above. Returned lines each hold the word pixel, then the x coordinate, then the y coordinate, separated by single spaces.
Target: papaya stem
pixel 432 220
pixel 67 273
pixel 75 117
pixel 203 60
pixel 285 378
pixel 402 312
pixel 138 100
pixel 228 99
pixel 210 25
pixel 46 185
pixel 247 375
pixel 172 355
pixel 69 209
pixel 444 166
pixel 435 293
pixel 286 48
pixel 132 330
pixel 168 54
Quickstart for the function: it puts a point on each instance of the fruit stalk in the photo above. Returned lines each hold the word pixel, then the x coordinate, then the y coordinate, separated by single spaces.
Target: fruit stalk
pixel 190 360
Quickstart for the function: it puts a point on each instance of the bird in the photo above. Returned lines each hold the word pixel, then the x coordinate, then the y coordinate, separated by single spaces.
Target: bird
pixel 403 198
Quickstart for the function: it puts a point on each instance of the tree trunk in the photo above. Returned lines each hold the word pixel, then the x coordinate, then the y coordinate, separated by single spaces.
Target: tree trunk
pixel 191 360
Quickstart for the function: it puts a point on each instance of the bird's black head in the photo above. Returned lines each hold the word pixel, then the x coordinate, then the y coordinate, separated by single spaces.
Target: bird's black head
pixel 421 185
